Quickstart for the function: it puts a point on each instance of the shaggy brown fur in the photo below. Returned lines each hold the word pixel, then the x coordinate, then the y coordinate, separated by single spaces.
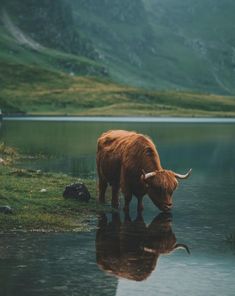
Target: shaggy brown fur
pixel 122 157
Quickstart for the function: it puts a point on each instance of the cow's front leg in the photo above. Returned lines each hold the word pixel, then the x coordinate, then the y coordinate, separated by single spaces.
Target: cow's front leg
pixel 115 196
pixel 140 205
pixel 128 197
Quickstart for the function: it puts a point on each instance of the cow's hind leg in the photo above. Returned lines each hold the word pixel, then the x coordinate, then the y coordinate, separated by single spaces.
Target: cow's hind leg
pixel 115 196
pixel 102 189
pixel 126 190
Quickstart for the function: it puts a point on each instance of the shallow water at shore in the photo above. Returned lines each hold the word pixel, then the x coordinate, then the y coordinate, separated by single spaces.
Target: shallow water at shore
pixel 112 260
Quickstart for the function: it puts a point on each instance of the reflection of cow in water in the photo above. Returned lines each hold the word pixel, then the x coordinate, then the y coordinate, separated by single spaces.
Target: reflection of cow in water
pixel 131 249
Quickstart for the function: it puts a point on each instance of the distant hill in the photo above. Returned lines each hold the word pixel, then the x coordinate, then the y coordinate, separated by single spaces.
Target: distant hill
pixel 89 57
pixel 158 44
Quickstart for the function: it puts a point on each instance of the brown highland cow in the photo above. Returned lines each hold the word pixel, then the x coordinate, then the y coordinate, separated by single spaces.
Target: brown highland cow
pixel 131 161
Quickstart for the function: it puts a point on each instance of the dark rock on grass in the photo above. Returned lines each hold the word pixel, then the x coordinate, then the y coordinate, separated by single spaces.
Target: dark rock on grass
pixel 6 210
pixel 77 191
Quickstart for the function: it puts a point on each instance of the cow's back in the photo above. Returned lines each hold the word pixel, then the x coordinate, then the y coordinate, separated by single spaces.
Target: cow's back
pixel 117 148
pixel 110 149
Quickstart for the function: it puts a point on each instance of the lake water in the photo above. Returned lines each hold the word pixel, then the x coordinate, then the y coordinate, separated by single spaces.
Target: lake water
pixel 118 258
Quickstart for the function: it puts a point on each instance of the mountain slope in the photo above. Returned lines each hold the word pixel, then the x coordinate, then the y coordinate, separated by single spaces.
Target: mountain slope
pixel 33 32
pixel 60 57
pixel 205 28
pixel 163 43
pixel 49 23
pixel 122 35
pixel 157 44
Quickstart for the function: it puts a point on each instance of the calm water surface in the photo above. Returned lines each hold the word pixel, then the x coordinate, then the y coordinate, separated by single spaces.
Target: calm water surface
pixel 116 259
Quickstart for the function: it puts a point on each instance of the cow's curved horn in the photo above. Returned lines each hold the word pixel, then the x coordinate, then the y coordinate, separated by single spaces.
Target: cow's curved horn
pixel 179 176
pixel 150 250
pixel 148 175
pixel 182 246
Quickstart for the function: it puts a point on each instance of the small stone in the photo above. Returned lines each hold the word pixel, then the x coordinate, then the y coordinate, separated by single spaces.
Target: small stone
pixel 77 191
pixel 43 190
pixel 6 210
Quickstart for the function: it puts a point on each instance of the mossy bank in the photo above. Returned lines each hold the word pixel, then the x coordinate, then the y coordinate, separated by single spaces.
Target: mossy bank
pixel 34 209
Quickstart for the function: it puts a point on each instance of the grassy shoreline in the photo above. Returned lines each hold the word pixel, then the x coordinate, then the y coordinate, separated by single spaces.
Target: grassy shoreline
pixel 38 211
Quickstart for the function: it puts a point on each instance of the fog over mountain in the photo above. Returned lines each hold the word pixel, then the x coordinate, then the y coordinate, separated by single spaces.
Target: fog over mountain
pixel 160 44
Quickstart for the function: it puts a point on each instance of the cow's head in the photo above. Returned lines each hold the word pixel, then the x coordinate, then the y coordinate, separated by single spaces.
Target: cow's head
pixel 160 238
pixel 160 186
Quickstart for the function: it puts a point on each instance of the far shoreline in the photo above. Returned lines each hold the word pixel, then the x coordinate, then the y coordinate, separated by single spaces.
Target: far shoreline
pixel 134 119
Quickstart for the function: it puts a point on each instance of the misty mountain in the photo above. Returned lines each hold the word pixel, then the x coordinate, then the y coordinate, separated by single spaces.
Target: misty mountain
pixel 204 40
pixel 159 44
pixel 163 43
pixel 44 34
pixel 122 34
pixel 50 23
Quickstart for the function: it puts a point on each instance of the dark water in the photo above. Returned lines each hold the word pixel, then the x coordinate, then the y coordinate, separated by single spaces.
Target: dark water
pixel 134 257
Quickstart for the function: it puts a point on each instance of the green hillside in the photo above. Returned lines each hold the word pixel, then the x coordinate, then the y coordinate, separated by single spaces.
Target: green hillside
pixel 43 33
pixel 31 89
pixel 204 30
pixel 91 58
pixel 177 44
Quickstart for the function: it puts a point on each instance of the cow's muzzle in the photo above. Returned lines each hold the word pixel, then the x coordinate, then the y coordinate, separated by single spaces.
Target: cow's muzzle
pixel 167 207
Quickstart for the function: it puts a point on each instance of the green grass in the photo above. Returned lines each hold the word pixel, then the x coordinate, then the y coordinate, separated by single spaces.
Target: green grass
pixel 30 89
pixel 41 211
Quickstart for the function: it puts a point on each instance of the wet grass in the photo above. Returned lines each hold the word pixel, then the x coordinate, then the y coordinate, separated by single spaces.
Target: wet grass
pixel 35 209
